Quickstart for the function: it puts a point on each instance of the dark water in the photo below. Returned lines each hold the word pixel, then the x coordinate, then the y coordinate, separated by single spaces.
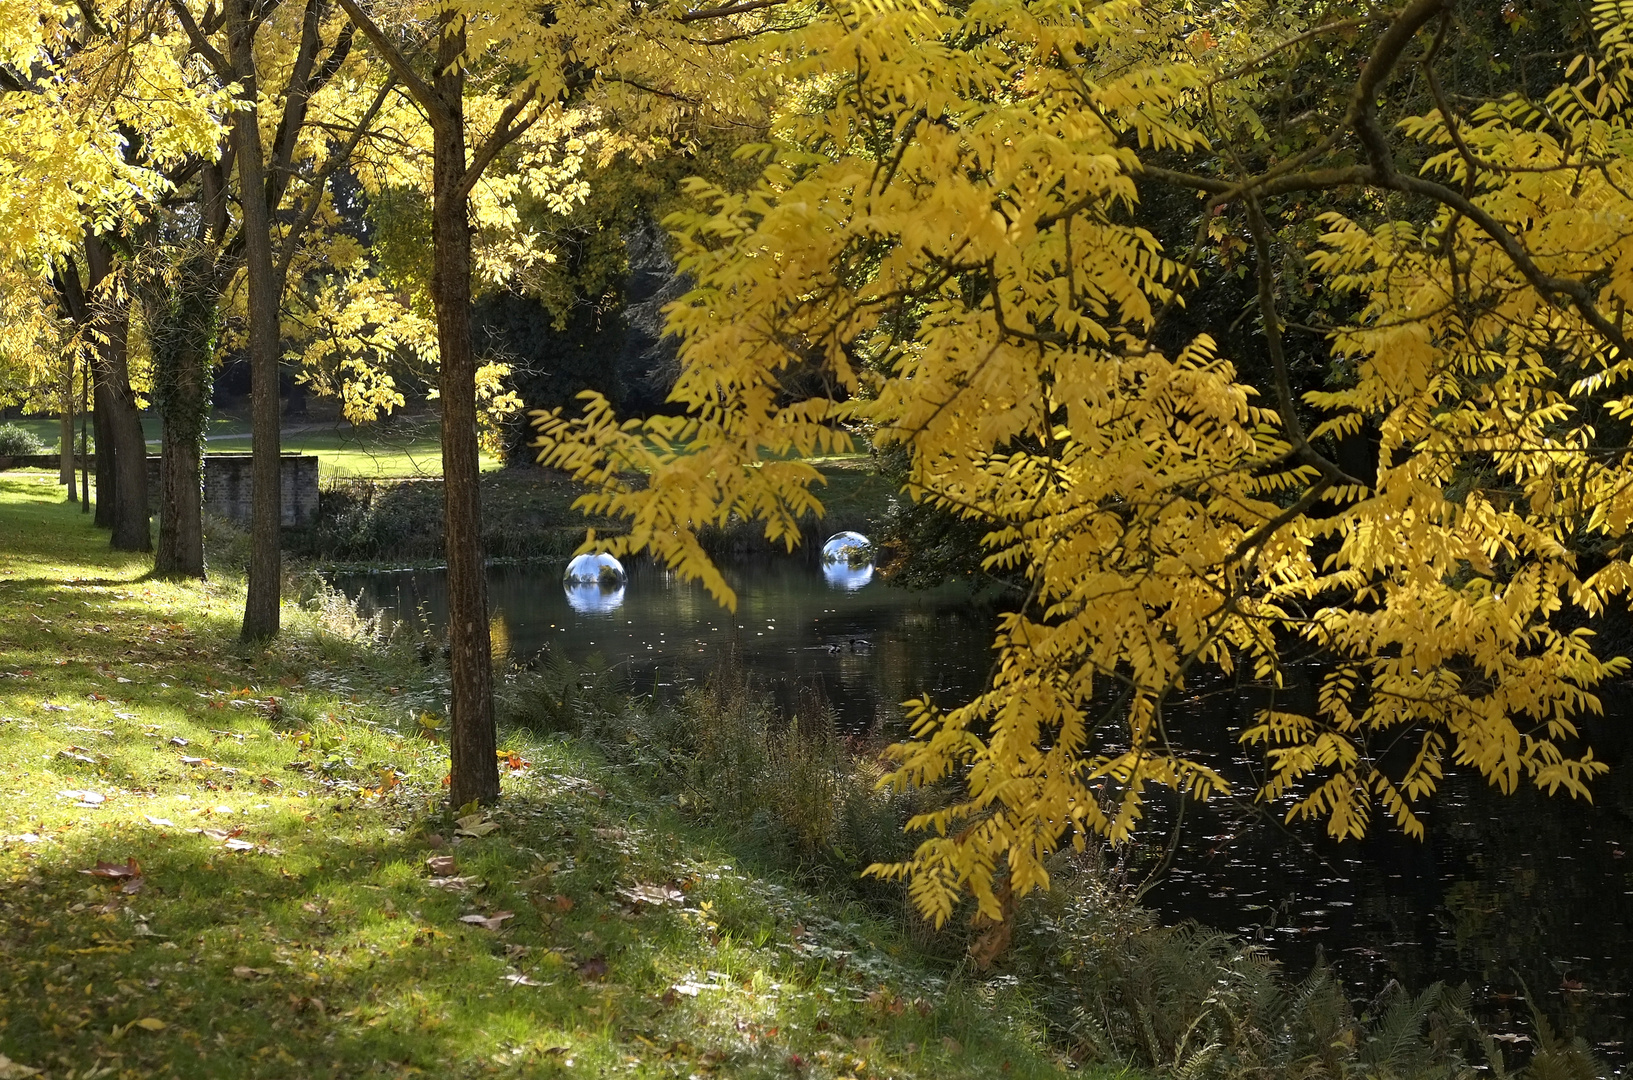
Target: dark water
pixel 867 648
pixel 1513 894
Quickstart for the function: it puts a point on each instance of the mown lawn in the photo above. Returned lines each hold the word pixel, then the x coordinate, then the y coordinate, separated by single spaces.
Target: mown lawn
pixel 222 861
pixel 403 446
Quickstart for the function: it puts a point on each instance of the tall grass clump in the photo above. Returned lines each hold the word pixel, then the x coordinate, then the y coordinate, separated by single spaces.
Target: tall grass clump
pixel 801 792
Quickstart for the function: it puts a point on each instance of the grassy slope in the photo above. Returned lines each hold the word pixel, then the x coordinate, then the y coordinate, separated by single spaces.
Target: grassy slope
pixel 322 949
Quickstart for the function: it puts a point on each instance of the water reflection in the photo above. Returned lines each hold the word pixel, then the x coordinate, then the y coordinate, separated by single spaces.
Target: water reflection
pixel 848 578
pixel 593 599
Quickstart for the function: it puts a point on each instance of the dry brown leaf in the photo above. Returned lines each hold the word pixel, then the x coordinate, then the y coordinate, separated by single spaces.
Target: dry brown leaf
pixel 115 870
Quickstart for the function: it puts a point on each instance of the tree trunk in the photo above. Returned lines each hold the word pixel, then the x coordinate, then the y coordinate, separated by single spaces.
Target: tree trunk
pixel 181 497
pixel 65 460
pixel 102 433
pixel 121 448
pixel 474 768
pixel 182 321
pixel 264 294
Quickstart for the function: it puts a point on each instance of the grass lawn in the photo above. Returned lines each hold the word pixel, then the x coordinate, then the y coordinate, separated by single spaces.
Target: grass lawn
pixel 406 446
pixel 214 862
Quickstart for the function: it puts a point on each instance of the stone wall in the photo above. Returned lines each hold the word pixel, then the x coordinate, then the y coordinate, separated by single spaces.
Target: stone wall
pixel 227 483
pixel 228 486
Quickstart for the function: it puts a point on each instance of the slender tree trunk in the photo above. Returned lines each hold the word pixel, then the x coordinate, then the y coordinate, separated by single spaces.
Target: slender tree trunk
pixel 264 294
pixel 121 448
pixel 102 433
pixel 65 461
pixel 474 768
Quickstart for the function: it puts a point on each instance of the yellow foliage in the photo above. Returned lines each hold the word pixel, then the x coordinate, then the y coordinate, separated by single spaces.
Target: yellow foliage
pixel 945 225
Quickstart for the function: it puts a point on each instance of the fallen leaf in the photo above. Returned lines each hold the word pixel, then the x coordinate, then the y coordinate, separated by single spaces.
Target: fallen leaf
pixel 442 865
pixel 11 1070
pixel 595 969
pixel 151 820
pixel 455 884
pixel 235 844
pixel 473 825
pixel 652 895
pixel 244 972
pixel 491 922
pixel 522 980
pixel 125 716
pixel 114 870
pixel 564 903
pixel 177 740
pixel 132 886
pixel 52 707
pixel 151 1023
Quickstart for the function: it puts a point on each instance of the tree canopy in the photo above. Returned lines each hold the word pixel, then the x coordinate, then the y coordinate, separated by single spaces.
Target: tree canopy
pixel 951 227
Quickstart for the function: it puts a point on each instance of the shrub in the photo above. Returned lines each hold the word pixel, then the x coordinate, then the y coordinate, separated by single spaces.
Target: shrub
pixel 16 440
pixel 1190 1002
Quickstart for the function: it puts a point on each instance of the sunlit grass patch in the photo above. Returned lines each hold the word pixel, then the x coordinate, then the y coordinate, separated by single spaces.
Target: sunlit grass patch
pixel 277 890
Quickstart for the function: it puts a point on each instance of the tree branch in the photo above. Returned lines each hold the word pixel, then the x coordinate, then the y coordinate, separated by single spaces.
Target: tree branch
pixel 201 41
pixel 318 180
pixel 725 10
pixel 505 131
pixel 435 110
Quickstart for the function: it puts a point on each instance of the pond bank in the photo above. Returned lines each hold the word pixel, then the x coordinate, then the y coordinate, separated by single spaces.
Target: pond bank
pixel 261 824
pixel 225 861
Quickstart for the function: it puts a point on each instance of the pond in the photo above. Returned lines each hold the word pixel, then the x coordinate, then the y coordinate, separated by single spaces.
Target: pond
pixel 1516 895
pixel 866 646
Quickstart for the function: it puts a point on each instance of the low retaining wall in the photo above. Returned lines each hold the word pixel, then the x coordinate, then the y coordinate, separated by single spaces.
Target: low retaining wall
pixel 228 485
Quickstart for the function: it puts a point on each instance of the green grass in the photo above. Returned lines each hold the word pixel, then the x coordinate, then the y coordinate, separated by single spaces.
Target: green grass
pixel 281 807
pixel 404 446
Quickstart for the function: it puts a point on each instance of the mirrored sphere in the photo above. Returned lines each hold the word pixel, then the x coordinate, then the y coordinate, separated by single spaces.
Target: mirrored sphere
pixel 592 599
pixel 842 575
pixel 848 549
pixel 600 569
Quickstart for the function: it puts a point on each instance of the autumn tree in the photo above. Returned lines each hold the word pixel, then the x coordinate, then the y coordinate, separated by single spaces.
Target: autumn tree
pixel 99 105
pixel 281 179
pixel 949 224
pixel 534 60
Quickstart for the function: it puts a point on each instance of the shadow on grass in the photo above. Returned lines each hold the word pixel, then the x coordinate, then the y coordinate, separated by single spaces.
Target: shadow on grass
pixel 255 968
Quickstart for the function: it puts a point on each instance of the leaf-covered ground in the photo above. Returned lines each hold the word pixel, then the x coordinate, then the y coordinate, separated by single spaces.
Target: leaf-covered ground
pixel 219 861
